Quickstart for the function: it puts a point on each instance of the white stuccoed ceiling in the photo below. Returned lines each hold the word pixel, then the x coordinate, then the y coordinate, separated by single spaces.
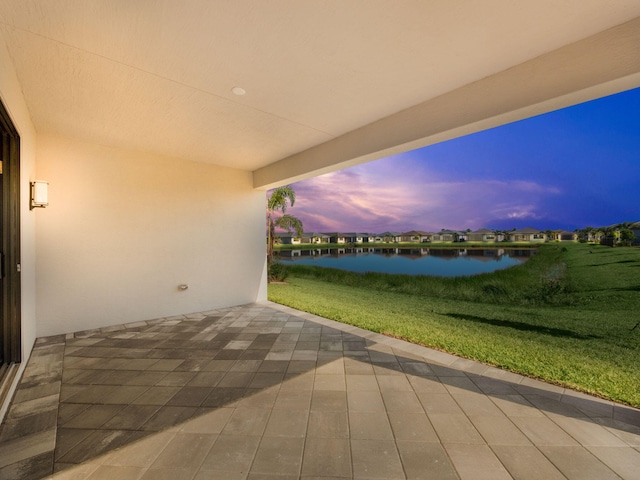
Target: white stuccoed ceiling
pixel 157 75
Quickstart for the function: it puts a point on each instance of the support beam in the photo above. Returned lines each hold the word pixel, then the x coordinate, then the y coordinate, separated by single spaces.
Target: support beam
pixel 600 65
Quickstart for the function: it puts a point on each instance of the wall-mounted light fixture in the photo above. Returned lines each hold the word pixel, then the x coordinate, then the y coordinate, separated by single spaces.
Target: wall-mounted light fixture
pixel 39 194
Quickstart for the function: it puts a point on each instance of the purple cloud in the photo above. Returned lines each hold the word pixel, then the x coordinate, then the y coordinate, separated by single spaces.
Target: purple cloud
pixel 385 195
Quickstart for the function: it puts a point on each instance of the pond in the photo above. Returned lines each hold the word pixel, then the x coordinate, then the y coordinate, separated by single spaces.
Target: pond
pixel 444 262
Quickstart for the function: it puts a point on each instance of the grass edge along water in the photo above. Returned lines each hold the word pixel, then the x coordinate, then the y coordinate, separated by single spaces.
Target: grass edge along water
pixel 566 316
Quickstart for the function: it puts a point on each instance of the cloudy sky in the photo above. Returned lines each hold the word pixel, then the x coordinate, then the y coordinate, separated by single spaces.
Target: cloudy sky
pixel 568 169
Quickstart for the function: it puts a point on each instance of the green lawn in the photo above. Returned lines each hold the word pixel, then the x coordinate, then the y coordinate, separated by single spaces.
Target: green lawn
pixel 565 316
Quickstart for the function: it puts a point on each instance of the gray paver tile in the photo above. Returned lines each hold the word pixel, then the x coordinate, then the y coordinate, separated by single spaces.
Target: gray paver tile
pixel 542 431
pixel 156 396
pixel 527 463
pixel 358 367
pixel 176 379
pixel 29 425
pixel 124 395
pixel 394 383
pixel 577 463
pixel 369 426
pixel 625 461
pixel 425 461
pixel 401 402
pixel 205 379
pixel 231 454
pixel 131 417
pixel 628 415
pixel 108 472
pixel 259 397
pixel 141 453
pixel 298 381
pixel 165 473
pixel 288 399
pixel 493 386
pixel 630 434
pixel 327 457
pixel 30 446
pixel 190 396
pixel 279 456
pixel 499 431
pixel 459 385
pixel 168 416
pixel 588 433
pixel 246 366
pixel 328 400
pixel 287 423
pixel 412 427
pixel 224 397
pixel 330 382
pixel 97 443
pixel 94 416
pixel 265 380
pixel 477 405
pixel 426 385
pixel 361 383
pixel 552 405
pixel 185 450
pixel 247 421
pixel 367 401
pixel 67 438
pixel 236 380
pixel 593 407
pixel 476 462
pixel 328 424
pixel 455 429
pixel 376 459
pixel 516 406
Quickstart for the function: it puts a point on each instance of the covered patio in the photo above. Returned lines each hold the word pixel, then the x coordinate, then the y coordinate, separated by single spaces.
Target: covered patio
pixel 158 125
pixel 264 391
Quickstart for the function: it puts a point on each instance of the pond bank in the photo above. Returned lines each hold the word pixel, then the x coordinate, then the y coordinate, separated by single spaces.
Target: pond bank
pixel 568 325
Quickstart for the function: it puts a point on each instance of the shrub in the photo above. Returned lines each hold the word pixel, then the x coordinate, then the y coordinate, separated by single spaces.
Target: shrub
pixel 278 272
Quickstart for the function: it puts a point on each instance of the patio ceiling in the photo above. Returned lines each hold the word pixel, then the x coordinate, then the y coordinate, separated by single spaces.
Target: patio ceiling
pixel 157 75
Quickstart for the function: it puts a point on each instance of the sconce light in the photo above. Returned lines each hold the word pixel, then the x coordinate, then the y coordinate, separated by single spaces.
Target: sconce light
pixel 39 194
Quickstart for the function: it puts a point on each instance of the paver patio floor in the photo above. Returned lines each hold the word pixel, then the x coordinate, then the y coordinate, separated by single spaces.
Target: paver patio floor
pixel 263 391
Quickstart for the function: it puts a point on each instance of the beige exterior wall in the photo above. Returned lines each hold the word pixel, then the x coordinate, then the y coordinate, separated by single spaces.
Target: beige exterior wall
pixel 11 96
pixel 124 229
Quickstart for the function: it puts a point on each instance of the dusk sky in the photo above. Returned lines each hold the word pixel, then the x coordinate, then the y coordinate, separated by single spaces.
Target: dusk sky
pixel 568 169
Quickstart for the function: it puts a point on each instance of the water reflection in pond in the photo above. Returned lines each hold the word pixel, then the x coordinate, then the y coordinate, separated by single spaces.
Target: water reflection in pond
pixel 444 262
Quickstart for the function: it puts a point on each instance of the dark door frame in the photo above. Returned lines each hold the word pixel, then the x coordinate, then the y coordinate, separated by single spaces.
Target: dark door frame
pixel 10 321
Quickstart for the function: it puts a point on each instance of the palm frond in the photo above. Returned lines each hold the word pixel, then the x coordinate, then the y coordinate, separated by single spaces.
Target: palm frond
pixel 289 222
pixel 278 198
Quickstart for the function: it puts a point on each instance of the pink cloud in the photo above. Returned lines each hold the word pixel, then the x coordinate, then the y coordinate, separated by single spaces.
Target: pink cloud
pixel 396 196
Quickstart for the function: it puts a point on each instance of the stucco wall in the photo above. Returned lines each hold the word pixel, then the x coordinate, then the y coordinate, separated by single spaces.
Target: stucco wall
pixel 124 229
pixel 11 96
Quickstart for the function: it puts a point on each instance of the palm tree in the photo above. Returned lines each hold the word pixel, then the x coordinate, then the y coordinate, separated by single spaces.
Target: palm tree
pixel 278 202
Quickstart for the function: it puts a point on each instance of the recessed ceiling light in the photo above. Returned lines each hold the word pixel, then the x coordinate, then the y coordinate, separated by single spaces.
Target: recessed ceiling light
pixel 238 91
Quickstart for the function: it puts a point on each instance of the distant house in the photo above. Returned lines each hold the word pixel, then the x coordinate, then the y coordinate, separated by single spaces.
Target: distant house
pixel 349 237
pixel 566 236
pixel 286 238
pixel 484 235
pixel 388 237
pixel 635 228
pixel 337 237
pixel 527 235
pixel 415 236
pixel 592 235
pixel 313 238
pixel 449 236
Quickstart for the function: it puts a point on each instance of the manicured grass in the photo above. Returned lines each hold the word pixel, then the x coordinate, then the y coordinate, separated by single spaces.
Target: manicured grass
pixel 565 316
